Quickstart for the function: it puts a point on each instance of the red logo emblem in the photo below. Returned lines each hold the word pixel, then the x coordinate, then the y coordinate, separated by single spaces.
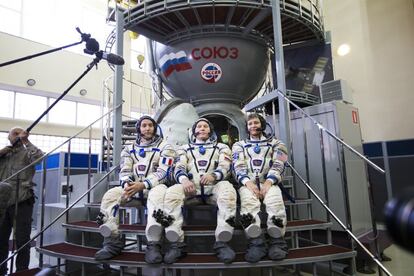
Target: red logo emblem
pixel 211 72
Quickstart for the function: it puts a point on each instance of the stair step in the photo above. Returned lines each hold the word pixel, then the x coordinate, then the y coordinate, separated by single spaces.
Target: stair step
pixel 298 201
pixel 26 272
pixel 321 253
pixel 193 230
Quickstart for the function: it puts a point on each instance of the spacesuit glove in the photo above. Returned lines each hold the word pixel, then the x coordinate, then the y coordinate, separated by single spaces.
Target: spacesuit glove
pixel 130 189
pixel 265 188
pixel 253 188
pixel 207 179
pixel 189 187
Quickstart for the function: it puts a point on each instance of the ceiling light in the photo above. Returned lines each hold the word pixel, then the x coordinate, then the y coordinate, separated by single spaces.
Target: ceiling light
pixel 343 50
pixel 31 82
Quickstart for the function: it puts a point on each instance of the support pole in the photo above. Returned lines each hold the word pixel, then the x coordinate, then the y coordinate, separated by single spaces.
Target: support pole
pixel 284 116
pixel 117 117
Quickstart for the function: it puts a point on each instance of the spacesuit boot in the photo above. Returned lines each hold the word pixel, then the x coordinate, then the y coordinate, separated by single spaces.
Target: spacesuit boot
pixel 112 246
pixel 278 249
pixel 175 251
pixel 256 250
pixel 153 253
pixel 224 252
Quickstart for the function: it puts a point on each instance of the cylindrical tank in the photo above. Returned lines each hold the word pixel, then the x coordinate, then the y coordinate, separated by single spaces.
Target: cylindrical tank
pixel 214 69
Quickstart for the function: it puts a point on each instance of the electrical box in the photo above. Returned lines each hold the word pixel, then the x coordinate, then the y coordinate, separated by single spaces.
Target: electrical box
pixel 336 90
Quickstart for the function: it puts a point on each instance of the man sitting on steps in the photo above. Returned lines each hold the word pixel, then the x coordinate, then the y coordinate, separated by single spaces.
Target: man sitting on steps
pixel 201 170
pixel 145 166
pixel 259 163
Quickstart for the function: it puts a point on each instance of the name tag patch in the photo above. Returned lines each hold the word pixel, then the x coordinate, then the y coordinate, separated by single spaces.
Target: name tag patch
pixel 257 162
pixel 202 163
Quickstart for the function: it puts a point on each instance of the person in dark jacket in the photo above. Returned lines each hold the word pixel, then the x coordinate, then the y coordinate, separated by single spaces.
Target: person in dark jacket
pixel 19 154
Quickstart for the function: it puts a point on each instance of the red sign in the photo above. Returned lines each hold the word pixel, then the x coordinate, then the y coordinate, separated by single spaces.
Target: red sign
pixel 215 52
pixel 354 116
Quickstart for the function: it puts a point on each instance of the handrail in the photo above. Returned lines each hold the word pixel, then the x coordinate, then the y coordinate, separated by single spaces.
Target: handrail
pixel 320 126
pixel 51 151
pixel 338 220
pixel 60 215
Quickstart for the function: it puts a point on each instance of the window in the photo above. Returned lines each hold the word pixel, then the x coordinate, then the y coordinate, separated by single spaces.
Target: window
pixel 4 141
pixel 30 107
pixel 136 115
pixel 47 143
pixel 6 104
pixel 64 112
pixel 87 113
pixel 17 105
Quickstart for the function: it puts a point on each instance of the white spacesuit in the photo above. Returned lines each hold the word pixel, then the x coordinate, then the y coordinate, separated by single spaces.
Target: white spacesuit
pixel 147 163
pixel 259 163
pixel 201 170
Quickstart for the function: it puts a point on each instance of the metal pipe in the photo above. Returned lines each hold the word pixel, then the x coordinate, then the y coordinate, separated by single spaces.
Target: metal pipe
pixel 16 210
pixel 331 134
pixel 325 180
pixel 89 162
pixel 305 148
pixel 345 185
pixel 68 160
pixel 42 210
pixel 372 209
pixel 118 89
pixel 61 214
pixel 340 222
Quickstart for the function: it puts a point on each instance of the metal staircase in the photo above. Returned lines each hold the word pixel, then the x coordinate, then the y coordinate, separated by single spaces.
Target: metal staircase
pixel 311 253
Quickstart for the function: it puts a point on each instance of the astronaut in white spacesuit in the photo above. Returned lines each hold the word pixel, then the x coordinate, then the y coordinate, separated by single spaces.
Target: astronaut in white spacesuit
pixel 145 166
pixel 259 163
pixel 202 167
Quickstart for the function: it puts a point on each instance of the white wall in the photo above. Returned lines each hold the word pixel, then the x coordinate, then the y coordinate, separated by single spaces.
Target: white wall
pixel 55 72
pixel 380 66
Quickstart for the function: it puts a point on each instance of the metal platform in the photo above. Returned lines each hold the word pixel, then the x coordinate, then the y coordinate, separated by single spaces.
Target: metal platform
pixel 193 230
pixel 322 253
pixel 169 22
pixel 298 201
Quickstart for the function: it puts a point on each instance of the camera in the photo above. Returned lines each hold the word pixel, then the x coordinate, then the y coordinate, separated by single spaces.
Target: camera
pixel 399 219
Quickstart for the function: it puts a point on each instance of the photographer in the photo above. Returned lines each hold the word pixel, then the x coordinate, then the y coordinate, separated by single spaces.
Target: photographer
pixel 12 159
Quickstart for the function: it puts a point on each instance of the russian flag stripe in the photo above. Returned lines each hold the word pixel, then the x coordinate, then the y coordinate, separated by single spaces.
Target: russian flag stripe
pixel 174 61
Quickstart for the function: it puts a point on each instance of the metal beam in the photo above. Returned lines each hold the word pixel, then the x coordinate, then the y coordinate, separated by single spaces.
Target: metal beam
pixel 284 112
pixel 197 15
pixel 182 19
pixel 230 16
pixel 256 20
pixel 261 101
pixel 117 101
